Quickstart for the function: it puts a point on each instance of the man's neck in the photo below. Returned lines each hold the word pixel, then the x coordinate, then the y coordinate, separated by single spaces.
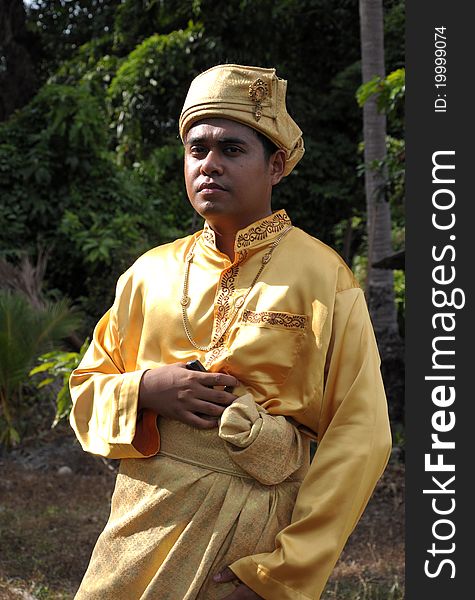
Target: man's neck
pixel 225 243
pixel 225 235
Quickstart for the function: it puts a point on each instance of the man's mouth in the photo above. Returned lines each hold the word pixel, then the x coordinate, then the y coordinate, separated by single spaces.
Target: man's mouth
pixel 209 186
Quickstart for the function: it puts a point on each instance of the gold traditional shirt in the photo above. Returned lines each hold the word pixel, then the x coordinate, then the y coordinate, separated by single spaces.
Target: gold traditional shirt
pixel 302 344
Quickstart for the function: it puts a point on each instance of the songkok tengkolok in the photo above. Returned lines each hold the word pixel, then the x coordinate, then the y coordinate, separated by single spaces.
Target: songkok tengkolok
pixel 250 95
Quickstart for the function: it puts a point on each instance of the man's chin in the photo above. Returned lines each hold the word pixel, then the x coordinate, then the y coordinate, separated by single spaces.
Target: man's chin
pixel 210 206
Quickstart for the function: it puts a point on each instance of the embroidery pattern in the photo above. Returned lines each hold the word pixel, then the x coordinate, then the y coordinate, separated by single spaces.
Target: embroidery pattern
pixel 260 232
pixel 275 318
pixel 272 225
pixel 242 255
pixel 208 235
pixel 227 288
pixel 215 354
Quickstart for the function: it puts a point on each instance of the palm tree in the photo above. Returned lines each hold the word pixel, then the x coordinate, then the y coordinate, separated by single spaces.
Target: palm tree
pixel 380 282
pixel 26 331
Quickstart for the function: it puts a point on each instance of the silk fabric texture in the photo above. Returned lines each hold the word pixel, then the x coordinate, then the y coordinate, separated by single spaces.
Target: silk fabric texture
pixel 302 347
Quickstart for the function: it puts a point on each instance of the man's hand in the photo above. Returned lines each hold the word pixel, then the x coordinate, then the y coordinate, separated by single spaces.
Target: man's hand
pixel 242 592
pixel 175 392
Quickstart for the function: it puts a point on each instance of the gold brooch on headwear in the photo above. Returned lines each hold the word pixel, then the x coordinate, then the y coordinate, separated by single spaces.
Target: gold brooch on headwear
pixel 258 91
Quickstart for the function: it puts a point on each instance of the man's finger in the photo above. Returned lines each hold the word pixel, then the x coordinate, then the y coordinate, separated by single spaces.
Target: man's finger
pixel 208 408
pixel 200 422
pixel 242 592
pixel 216 379
pixel 216 396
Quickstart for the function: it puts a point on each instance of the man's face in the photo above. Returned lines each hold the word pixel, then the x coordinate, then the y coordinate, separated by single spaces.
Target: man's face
pixel 228 177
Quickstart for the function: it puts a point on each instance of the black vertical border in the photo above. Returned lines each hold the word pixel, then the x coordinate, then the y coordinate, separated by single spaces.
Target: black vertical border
pixel 427 132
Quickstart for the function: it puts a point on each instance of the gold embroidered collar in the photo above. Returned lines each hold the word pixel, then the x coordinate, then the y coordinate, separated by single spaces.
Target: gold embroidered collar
pixel 257 234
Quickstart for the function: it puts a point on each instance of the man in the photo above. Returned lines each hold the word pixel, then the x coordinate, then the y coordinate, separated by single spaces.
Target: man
pixel 219 500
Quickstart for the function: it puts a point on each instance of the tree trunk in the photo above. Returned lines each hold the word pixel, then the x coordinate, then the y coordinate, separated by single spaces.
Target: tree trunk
pixel 380 282
pixel 17 71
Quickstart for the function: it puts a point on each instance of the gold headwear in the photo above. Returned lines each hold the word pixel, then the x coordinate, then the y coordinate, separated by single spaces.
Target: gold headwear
pixel 250 95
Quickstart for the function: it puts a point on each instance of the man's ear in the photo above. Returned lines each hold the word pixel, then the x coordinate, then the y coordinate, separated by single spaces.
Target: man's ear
pixel 277 166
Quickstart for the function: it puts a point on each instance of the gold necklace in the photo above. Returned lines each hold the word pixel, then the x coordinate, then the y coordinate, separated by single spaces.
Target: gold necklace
pixel 185 299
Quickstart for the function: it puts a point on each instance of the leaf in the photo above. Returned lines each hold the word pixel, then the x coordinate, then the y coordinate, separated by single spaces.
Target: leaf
pixel 63 405
pixel 368 89
pixel 14 436
pixel 24 332
pixel 41 368
pixel 388 91
pixel 45 382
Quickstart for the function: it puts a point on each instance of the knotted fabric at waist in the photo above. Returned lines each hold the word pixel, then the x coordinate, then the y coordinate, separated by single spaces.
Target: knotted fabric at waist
pixel 270 456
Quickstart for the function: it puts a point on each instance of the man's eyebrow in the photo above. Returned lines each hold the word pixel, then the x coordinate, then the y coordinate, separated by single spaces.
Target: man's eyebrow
pixel 202 140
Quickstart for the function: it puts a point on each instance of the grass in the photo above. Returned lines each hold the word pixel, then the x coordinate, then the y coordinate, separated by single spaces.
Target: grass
pixel 364 590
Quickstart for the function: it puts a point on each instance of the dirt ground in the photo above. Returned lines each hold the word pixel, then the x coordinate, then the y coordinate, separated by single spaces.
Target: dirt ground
pixel 50 517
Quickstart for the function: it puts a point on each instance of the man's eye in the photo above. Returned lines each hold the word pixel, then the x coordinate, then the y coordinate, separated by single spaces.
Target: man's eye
pixel 232 150
pixel 197 150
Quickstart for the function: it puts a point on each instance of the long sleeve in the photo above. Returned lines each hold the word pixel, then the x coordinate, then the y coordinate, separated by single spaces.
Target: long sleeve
pixel 105 385
pixel 354 444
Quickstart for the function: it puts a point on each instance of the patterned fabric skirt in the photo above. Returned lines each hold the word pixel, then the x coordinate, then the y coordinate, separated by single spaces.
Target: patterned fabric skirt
pixel 207 499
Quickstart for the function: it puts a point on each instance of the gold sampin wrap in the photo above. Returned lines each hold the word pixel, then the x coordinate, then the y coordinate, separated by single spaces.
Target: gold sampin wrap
pixel 252 96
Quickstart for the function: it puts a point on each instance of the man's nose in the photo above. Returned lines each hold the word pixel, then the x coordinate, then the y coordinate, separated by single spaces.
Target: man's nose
pixel 212 163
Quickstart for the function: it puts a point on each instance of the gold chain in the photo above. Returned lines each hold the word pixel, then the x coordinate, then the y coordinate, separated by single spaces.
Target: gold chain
pixel 185 299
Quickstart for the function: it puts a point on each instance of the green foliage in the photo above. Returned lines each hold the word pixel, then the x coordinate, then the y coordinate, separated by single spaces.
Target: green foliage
pixel 389 91
pixel 92 65
pixel 98 237
pixel 74 124
pixel 58 365
pixel 395 164
pixel 25 332
pixel 135 21
pixel 360 267
pixel 92 167
pixel 49 147
pixel 400 297
pixel 63 189
pixel 394 38
pixel 150 86
pixel 364 589
pixel 63 27
pixel 322 190
pixel 394 167
pixel 350 238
